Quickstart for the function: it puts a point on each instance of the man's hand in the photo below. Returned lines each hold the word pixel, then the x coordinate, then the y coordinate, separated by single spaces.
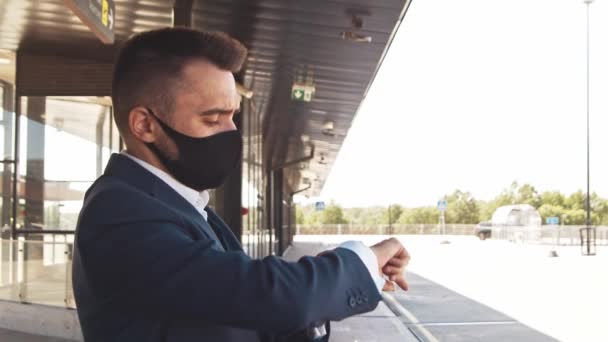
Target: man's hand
pixel 392 260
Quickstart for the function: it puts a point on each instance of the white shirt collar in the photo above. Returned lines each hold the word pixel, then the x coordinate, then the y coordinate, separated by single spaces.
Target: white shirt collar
pixel 199 200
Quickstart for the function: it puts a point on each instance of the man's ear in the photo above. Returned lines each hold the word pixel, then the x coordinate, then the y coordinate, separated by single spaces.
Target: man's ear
pixel 141 124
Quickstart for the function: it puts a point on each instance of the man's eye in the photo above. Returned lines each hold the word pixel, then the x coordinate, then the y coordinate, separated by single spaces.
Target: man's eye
pixel 212 123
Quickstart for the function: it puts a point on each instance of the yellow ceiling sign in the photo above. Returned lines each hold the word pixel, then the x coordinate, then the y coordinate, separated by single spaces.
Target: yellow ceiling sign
pixel 98 15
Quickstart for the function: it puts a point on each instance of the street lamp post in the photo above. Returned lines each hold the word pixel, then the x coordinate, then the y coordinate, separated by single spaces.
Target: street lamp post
pixel 588 199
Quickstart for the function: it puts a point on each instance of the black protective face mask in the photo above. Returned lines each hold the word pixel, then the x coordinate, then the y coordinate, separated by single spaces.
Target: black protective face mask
pixel 203 163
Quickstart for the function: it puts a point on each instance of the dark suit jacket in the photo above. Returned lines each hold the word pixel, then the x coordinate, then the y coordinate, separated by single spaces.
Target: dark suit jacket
pixel 148 267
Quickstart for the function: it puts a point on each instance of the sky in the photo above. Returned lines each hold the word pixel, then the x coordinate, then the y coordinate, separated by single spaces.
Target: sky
pixel 474 95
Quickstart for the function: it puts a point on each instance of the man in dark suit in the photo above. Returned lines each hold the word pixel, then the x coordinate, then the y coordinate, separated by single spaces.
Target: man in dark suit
pixel 153 263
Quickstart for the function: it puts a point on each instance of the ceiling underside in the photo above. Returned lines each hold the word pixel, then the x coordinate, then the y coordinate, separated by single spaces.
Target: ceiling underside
pixel 289 41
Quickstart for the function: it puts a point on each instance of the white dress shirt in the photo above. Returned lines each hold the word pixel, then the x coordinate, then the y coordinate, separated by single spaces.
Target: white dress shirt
pixel 199 200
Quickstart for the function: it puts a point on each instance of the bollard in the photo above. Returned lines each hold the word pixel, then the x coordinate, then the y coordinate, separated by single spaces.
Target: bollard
pixel 587 235
pixel 553 252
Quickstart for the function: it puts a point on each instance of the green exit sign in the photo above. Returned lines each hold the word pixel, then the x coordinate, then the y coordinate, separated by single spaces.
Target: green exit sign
pixel 300 92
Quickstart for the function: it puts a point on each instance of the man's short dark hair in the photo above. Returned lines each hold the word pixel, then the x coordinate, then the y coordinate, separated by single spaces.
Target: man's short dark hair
pixel 148 68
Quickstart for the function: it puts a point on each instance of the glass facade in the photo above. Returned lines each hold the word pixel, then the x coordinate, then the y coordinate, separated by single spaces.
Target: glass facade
pixel 64 145
pixel 256 235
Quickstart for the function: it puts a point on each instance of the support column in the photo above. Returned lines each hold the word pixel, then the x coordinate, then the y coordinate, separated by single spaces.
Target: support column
pixel 34 179
pixel 277 203
pixel 7 155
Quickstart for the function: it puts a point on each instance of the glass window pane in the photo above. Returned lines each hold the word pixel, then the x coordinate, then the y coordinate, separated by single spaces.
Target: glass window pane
pixel 7 120
pixel 65 144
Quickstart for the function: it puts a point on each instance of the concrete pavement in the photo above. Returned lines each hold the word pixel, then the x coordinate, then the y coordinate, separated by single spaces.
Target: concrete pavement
pixel 431 312
pixel 14 336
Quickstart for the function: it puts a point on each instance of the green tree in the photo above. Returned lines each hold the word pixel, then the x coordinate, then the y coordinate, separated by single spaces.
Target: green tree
pixel 393 212
pixel 554 198
pixel 486 210
pixel 599 207
pixel 527 194
pixel 299 215
pixel 550 210
pixel 354 215
pixel 575 216
pixel 333 214
pixel 423 215
pixel 576 201
pixel 313 217
pixel 305 214
pixel 373 216
pixel 462 208
pixel 508 196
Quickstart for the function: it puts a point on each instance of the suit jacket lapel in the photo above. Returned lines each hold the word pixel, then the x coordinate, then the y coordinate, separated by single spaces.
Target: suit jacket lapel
pixel 124 168
pixel 224 233
pixel 166 194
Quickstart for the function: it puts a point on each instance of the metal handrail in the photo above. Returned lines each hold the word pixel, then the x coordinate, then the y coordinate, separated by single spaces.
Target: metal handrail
pixel 43 232
pixel 30 275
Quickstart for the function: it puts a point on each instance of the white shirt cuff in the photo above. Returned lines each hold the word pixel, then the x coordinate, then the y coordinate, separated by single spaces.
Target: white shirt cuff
pixel 369 259
pixel 317 332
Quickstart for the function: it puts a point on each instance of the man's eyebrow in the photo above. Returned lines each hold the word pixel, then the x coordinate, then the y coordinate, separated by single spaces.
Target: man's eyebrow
pixel 215 111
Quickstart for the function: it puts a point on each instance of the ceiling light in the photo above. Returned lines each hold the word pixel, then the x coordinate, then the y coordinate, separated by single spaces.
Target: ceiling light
pixel 244 92
pixel 354 34
pixel 355 37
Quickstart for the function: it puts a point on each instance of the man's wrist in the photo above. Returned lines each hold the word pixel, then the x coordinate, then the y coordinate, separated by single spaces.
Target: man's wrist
pixel 369 259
